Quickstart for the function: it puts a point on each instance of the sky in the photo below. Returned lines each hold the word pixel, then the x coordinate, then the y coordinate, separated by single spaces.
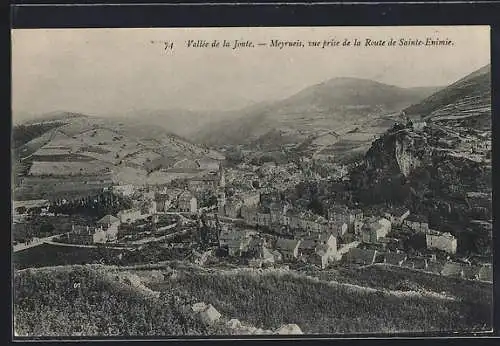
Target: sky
pixel 116 71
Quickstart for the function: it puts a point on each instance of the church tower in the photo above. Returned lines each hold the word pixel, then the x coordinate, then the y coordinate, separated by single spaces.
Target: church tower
pixel 222 178
pixel 221 192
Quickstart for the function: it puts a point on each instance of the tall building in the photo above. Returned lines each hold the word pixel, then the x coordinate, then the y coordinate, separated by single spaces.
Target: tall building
pixel 221 192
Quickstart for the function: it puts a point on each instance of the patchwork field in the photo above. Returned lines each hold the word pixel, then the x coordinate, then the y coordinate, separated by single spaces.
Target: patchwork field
pixel 57 187
pixel 63 161
pixel 68 168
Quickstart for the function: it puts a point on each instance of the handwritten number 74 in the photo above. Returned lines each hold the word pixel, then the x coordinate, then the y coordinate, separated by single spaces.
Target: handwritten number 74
pixel 168 45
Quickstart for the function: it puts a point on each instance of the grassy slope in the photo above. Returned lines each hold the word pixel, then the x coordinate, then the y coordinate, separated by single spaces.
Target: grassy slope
pixel 264 300
pixel 317 307
pixel 47 304
pixel 477 83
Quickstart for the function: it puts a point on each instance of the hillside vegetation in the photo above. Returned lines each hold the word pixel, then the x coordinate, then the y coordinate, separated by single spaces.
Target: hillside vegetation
pixel 77 300
pixel 467 98
pixel 48 303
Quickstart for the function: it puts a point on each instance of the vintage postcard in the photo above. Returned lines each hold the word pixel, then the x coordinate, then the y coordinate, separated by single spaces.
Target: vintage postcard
pixel 264 181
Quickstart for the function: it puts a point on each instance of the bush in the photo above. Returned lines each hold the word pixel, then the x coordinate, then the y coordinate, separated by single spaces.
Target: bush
pixel 62 302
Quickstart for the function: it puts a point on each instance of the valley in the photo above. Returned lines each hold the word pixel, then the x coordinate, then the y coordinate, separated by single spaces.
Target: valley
pixel 350 207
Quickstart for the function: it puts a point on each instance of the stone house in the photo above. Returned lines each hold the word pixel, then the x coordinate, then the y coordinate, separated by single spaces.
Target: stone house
pixel 250 198
pixel 293 219
pixel 289 248
pixel 86 235
pixel 226 236
pixel 373 231
pixel 109 224
pixel 328 239
pixel 129 215
pixel 276 211
pixel 441 241
pixel 417 223
pixel 238 247
pixel 397 216
pixel 322 255
pixel 249 214
pixel 232 208
pixel 434 267
pixel 202 183
pixel 338 227
pixel 187 202
pixel 123 190
pixel 264 219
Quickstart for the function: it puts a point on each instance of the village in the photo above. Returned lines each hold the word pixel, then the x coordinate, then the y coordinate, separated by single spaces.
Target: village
pixel 254 227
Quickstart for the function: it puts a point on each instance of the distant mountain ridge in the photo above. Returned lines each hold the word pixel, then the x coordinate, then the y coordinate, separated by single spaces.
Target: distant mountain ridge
pixel 464 100
pixel 62 116
pixel 329 105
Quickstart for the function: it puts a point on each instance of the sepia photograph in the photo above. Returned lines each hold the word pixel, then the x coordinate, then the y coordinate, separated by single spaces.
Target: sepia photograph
pixel 251 181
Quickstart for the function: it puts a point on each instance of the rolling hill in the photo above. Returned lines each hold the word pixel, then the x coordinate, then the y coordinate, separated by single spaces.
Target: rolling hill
pixel 437 167
pixel 339 104
pixel 91 152
pixel 466 101
pixel 55 116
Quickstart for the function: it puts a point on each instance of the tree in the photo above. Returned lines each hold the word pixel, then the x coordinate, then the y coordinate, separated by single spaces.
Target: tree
pixel 46 228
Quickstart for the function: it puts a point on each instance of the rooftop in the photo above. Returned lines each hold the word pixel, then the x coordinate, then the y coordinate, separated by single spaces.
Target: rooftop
pixel 417 218
pixel 287 244
pixel 108 220
pixel 398 212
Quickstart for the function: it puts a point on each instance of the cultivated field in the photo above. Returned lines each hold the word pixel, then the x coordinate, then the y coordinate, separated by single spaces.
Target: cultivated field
pixel 53 188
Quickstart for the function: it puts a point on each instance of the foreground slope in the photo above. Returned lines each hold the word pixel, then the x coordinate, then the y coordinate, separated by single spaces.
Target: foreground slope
pixel 79 300
pixel 47 302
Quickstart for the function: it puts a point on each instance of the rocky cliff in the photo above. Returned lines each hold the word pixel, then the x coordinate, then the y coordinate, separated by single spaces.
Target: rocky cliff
pixel 427 170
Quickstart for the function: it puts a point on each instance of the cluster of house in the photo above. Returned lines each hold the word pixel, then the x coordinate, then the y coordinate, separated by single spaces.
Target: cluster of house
pixel 281 214
pixel 234 205
pixel 315 237
pixel 315 248
pixel 430 265
pixel 443 241
pixel 106 230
